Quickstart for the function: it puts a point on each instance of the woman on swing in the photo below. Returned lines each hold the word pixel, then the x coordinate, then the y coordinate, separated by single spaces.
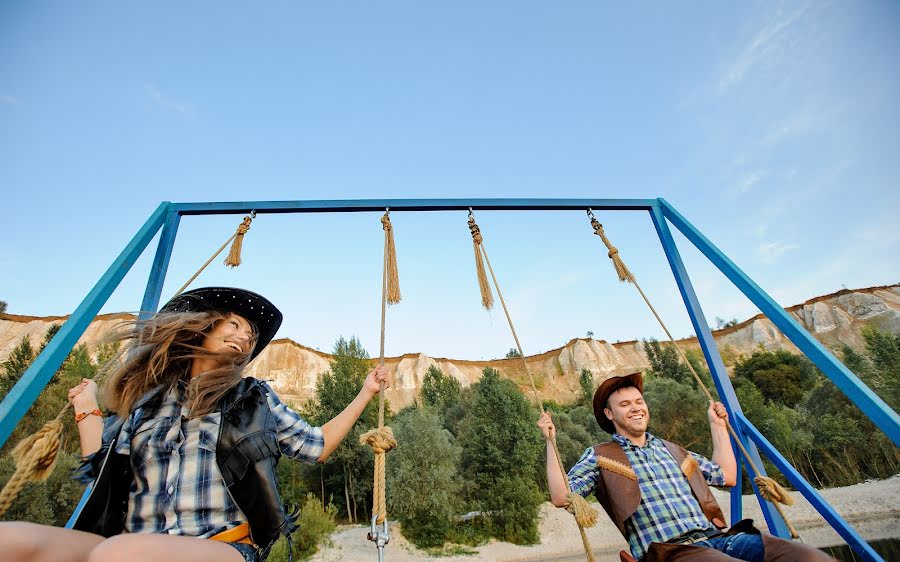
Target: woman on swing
pixel 191 451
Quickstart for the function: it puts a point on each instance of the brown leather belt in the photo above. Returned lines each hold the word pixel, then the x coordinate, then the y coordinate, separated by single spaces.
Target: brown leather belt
pixel 692 537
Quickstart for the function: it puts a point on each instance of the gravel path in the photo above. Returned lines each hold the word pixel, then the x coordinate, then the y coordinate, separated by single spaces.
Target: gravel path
pixel 873 508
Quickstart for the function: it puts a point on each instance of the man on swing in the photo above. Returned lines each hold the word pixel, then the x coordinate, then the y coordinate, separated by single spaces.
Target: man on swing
pixel 656 492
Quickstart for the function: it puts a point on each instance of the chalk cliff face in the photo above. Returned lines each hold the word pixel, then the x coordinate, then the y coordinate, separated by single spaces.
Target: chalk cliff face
pixel 294 369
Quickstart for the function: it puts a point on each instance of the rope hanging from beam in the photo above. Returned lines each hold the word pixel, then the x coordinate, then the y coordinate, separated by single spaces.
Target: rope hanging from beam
pixel 585 515
pixel 382 438
pixel 769 489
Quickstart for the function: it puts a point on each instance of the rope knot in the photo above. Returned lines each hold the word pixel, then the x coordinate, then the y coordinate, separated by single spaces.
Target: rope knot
pixel 386 222
pixel 381 440
pixel 476 232
pixel 613 252
pixel 244 226
pixel 584 514
pixel 773 491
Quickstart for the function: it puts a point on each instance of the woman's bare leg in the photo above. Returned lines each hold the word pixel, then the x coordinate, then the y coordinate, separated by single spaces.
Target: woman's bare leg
pixel 162 548
pixel 30 542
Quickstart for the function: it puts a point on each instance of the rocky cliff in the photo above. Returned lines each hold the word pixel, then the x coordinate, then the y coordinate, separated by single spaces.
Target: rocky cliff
pixel 294 369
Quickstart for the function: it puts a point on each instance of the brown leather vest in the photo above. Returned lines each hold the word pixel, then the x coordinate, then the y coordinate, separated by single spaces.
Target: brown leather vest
pixel 618 492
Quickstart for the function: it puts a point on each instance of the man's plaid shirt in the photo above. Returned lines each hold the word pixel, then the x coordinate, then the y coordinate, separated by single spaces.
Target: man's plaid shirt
pixel 668 507
pixel 177 488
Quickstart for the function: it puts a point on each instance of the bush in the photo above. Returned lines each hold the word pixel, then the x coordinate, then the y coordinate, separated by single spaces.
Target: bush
pixel 315 524
pixel 502 458
pixel 781 376
pixel 424 482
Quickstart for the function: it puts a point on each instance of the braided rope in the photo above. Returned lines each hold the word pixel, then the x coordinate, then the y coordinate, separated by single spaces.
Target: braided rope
pixel 585 515
pixel 769 489
pixel 382 439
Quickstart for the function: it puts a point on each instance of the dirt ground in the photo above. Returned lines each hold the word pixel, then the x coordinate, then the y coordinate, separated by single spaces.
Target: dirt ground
pixel 873 508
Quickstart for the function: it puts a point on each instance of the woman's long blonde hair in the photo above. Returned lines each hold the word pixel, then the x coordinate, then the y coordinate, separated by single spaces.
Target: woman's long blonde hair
pixel 159 351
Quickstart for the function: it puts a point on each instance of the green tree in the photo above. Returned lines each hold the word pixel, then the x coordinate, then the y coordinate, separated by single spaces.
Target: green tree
pixel 425 483
pixel 664 361
pixel 16 364
pixel 678 412
pixel 501 457
pixel 513 353
pixel 3 307
pixel 440 391
pixel 348 471
pixel 781 376
pixel 586 383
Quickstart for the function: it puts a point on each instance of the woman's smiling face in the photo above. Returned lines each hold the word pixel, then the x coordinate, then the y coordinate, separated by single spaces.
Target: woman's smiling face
pixel 234 333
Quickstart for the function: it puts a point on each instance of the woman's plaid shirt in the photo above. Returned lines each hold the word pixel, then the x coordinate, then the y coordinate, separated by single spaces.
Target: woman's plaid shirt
pixel 177 487
pixel 668 507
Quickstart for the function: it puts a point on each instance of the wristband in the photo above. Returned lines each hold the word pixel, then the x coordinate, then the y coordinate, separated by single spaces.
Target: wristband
pixel 82 415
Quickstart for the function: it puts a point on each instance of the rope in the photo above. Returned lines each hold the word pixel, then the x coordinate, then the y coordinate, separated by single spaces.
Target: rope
pixel 585 515
pixel 382 439
pixel 34 457
pixel 487 297
pixel 769 489
pixel 234 256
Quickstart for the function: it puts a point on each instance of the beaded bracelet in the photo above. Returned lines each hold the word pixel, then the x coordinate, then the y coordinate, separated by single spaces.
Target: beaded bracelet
pixel 82 415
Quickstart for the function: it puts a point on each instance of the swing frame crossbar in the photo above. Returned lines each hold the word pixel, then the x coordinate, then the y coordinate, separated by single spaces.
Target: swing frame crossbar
pixel 167 216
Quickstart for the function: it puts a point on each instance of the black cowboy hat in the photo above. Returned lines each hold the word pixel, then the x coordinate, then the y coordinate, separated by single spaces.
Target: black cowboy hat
pixel 606 388
pixel 255 308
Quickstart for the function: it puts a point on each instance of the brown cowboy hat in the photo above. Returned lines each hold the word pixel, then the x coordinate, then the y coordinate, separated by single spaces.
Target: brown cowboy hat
pixel 606 388
pixel 257 309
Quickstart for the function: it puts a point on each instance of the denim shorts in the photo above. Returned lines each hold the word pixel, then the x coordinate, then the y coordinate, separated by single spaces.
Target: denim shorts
pixel 248 551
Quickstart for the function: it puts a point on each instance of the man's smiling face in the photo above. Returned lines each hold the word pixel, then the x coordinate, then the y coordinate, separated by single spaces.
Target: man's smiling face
pixel 628 412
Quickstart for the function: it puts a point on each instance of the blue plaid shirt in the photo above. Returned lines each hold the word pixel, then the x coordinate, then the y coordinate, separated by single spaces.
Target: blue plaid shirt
pixel 177 488
pixel 668 507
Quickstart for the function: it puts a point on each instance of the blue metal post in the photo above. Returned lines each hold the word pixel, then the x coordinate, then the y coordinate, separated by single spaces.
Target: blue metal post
pixel 737 491
pixel 776 524
pixel 860 394
pixel 33 381
pixel 837 522
pixel 160 264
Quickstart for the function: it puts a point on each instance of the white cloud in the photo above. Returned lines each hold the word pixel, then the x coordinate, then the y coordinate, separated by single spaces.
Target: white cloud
pixel 167 103
pixel 765 44
pixel 8 99
pixel 750 180
pixel 771 252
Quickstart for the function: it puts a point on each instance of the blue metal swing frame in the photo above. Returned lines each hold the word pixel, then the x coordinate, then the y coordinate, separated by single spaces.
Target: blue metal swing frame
pixel 168 215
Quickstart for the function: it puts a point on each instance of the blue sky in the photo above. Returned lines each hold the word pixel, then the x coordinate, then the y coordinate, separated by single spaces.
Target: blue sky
pixel 773 127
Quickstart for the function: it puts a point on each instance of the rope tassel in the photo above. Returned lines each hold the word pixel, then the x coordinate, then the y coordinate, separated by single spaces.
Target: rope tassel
pixel 487 296
pixel 621 269
pixel 34 457
pixel 234 255
pixel 392 280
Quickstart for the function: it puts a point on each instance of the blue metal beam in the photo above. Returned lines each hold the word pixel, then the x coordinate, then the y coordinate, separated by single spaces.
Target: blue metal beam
pixel 363 205
pixel 33 381
pixel 837 522
pixel 717 369
pixel 860 394
pixel 160 264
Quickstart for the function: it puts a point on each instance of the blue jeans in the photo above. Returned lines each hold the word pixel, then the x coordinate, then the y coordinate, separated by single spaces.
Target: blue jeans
pixel 742 546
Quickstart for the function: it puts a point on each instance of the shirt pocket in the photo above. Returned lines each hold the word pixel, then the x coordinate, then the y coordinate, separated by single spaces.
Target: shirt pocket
pixel 144 447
